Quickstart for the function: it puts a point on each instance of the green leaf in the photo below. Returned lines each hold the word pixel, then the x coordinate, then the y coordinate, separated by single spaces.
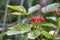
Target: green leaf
pixel 47 35
pixel 23 8
pixel 53 18
pixel 34 8
pixel 34 34
pixel 14 32
pixel 22 27
pixel 15 7
pixel 18 8
pixel 24 37
pixel 50 8
pixel 50 25
pixel 58 20
pixel 18 13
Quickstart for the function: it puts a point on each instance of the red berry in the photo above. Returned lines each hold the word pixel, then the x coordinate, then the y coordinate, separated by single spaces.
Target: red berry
pixel 41 19
pixel 37 19
pixel 34 19
pixel 57 11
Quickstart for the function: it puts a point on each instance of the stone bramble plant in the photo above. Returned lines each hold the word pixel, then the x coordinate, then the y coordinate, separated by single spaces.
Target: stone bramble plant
pixel 46 27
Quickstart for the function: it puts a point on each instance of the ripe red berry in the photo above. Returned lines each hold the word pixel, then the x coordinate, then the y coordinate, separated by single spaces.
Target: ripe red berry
pixel 41 19
pixel 57 11
pixel 34 19
pixel 37 19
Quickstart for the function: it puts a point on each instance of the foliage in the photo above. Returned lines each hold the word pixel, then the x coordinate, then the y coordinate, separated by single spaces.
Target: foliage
pixel 22 10
pixel 34 30
pixel 50 7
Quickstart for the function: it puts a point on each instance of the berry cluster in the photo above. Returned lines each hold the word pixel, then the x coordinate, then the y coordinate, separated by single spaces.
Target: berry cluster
pixel 57 11
pixel 37 19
